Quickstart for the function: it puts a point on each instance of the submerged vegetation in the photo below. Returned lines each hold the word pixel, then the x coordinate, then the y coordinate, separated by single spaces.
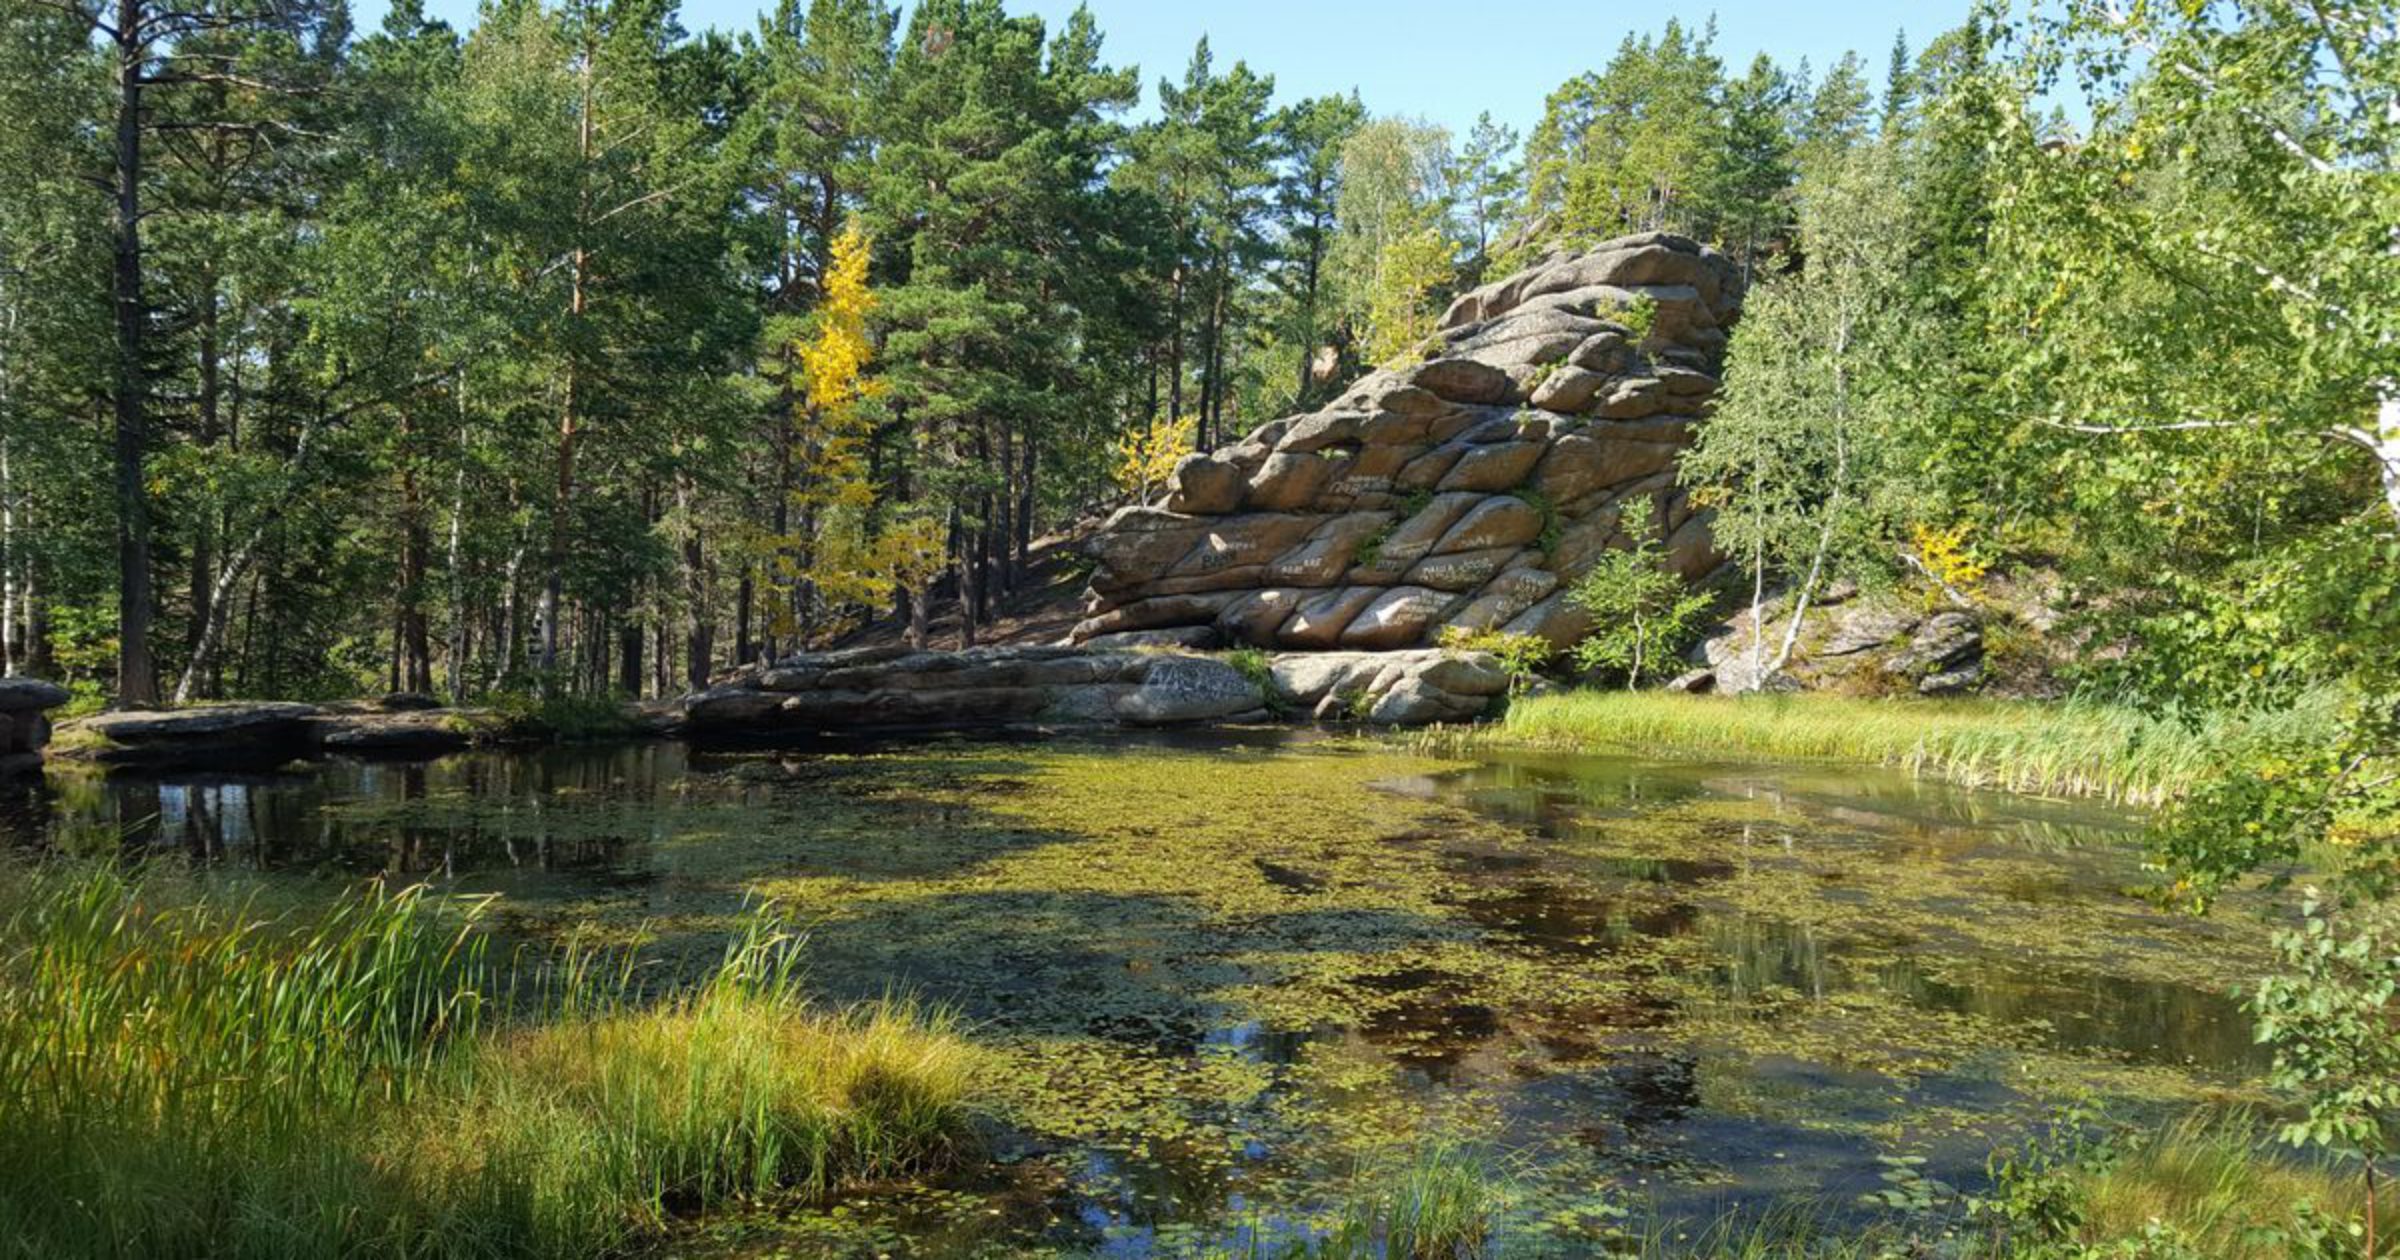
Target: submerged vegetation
pixel 2073 749
pixel 182 1075
pixel 2204 1187
pixel 1332 990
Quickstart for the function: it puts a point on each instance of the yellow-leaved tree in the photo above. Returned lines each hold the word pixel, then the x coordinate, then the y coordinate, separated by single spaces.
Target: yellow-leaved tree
pixel 843 562
pixel 1146 456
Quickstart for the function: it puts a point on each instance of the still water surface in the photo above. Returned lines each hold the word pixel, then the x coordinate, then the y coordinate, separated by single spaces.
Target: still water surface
pixel 1227 974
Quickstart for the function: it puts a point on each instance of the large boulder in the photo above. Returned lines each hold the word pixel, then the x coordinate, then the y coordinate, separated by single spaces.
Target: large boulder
pixel 25 721
pixel 1179 690
pixel 1846 641
pixel 1466 488
pixel 248 722
pixel 1409 688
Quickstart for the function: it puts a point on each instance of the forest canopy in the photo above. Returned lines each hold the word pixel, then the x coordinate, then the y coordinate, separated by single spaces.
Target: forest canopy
pixel 580 352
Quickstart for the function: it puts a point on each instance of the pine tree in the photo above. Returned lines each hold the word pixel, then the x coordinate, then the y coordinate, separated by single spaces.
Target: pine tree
pixel 1309 138
pixel 1488 182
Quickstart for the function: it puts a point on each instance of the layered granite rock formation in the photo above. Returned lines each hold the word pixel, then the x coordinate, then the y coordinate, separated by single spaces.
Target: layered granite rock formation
pixel 1469 489
pixel 892 689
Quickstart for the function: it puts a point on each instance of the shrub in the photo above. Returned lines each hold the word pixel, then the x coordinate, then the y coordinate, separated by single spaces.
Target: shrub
pixel 1639 317
pixel 1547 539
pixel 1254 664
pixel 1522 656
pixel 562 716
pixel 1642 614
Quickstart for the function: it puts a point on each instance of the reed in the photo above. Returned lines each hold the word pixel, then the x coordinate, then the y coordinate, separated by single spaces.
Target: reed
pixel 2060 749
pixel 187 1076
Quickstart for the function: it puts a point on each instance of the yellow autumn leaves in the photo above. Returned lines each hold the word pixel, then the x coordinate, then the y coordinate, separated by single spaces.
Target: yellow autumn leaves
pixel 843 561
pixel 1146 457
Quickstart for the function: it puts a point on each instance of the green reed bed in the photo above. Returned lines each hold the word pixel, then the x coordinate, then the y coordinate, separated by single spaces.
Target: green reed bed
pixel 2061 749
pixel 185 1077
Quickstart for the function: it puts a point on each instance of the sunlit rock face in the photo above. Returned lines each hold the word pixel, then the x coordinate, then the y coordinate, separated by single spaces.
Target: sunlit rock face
pixel 895 688
pixel 1469 489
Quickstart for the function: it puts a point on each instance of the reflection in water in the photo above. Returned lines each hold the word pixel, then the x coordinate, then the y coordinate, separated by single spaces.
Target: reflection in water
pixel 1601 975
pixel 442 819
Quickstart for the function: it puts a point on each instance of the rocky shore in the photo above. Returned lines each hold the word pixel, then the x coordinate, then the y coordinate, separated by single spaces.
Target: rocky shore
pixel 899 690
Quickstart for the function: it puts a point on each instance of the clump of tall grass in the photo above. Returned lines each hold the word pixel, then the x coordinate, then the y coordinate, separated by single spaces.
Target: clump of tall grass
pixel 2063 749
pixel 2220 1182
pixel 181 1077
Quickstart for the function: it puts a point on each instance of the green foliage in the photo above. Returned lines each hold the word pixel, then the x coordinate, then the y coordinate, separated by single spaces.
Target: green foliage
pixel 562 716
pixel 1403 290
pixel 195 1077
pixel 1547 539
pixel 1638 316
pixel 1522 657
pixel 2037 1195
pixel 1257 666
pixel 1603 170
pixel 1642 613
pixel 1370 550
pixel 2331 1017
pixel 1803 461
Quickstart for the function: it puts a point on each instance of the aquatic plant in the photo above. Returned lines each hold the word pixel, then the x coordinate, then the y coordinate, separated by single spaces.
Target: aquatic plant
pixel 2073 749
pixel 1440 1203
pixel 186 1076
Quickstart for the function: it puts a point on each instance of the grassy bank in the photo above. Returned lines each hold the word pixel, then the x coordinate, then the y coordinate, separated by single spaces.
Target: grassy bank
pixel 2062 749
pixel 180 1077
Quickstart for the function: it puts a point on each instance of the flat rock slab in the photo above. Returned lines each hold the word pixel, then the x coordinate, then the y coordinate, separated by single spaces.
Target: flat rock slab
pixel 1069 687
pixel 20 695
pixel 1182 689
pixel 25 722
pixel 247 723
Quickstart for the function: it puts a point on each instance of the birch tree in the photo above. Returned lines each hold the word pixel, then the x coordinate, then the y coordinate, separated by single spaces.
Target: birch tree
pixel 1797 460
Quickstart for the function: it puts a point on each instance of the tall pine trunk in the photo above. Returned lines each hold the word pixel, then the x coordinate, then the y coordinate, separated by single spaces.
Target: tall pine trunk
pixel 11 646
pixel 569 415
pixel 204 527
pixel 137 675
pixel 454 663
pixel 1025 505
pixel 699 645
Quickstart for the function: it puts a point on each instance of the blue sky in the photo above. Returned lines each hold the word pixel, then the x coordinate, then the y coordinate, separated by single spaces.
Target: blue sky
pixel 1439 59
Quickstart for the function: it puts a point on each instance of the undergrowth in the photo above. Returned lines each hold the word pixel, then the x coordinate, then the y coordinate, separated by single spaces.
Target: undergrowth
pixel 185 1076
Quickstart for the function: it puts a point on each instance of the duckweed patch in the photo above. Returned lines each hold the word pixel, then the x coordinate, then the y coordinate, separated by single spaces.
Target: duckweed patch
pixel 1225 981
